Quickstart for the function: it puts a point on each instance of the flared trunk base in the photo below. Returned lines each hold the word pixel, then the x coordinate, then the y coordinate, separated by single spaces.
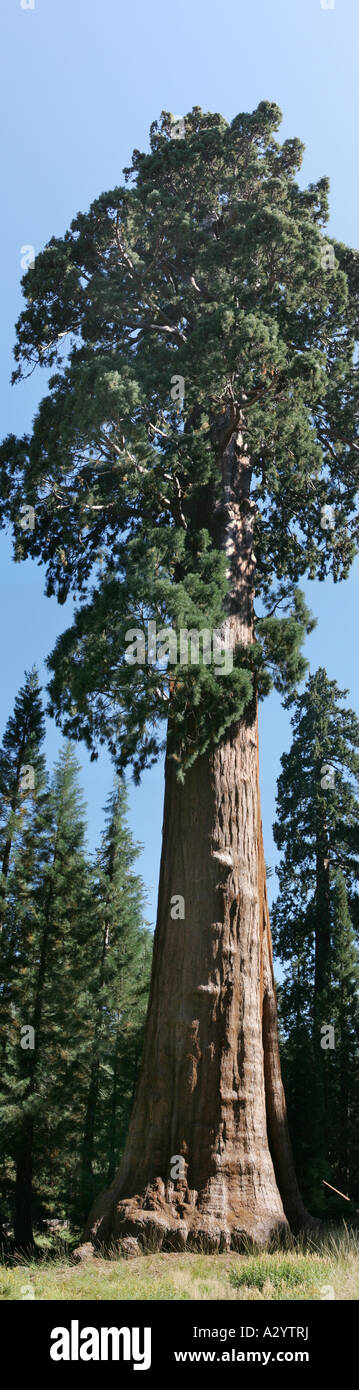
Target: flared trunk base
pixel 168 1220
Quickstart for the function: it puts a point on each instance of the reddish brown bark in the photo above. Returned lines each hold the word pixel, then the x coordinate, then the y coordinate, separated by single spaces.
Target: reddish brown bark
pixel 210 1088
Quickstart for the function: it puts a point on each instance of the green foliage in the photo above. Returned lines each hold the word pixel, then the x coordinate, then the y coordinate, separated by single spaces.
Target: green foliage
pixel 325 735
pixel 314 937
pixel 114 994
pixel 75 966
pixel 209 264
pixel 284 1275
pixel 20 749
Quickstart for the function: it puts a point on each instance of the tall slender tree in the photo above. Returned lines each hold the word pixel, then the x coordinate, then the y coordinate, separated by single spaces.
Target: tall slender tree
pixel 22 809
pixel 317 831
pixel 20 761
pixel 119 962
pixel 345 1015
pixel 200 422
pixel 48 895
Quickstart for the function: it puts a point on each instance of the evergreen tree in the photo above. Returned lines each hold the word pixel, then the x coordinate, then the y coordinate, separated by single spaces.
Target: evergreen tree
pixel 317 831
pixel 20 761
pixel 49 898
pixel 77 987
pixel 23 800
pixel 119 963
pixel 199 430
pixel 344 1013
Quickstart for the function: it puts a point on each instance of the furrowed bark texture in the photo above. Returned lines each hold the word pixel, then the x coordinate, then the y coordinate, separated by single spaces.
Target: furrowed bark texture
pixel 210 1104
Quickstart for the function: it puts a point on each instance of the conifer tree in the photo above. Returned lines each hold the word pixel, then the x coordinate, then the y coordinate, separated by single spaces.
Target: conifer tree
pixel 119 961
pixel 19 762
pixel 197 448
pixel 48 896
pixel 77 988
pixel 22 808
pixel 345 1016
pixel 318 833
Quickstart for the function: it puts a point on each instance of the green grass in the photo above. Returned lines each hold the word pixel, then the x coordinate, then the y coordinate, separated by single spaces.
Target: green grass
pixel 288 1277
pixel 314 1268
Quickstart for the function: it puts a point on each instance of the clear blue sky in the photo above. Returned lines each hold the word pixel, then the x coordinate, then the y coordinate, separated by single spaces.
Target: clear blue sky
pixel 81 82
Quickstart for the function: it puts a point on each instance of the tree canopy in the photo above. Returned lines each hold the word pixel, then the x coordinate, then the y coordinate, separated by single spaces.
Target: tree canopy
pixel 200 298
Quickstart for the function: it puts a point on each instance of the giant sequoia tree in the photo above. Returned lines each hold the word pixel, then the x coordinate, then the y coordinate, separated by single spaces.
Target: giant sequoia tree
pixel 200 416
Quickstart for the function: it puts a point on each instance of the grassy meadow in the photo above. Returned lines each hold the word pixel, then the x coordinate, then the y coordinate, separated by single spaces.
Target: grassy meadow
pixel 322 1267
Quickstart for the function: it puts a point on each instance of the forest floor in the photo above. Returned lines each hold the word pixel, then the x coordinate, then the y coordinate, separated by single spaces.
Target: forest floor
pixel 327 1268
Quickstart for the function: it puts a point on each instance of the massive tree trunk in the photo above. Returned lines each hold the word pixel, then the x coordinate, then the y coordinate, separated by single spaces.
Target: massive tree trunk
pixel 208 1159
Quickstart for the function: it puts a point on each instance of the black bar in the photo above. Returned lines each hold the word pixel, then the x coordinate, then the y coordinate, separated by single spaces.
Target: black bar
pixel 230 1336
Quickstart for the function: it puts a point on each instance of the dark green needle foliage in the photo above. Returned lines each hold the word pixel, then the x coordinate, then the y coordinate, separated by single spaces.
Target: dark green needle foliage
pixel 345 1014
pixel 20 750
pixel 75 965
pixel 211 265
pixel 119 951
pixel 48 896
pixel 317 830
pixel 23 825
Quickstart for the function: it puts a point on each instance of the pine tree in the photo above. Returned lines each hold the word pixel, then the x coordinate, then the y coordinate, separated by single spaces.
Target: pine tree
pixel 119 962
pixel 74 991
pixel 23 800
pixel 197 448
pixel 344 1013
pixel 317 831
pixel 19 763
pixel 49 898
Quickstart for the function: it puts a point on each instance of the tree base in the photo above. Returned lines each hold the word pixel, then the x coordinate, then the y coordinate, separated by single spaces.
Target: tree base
pixel 168 1220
